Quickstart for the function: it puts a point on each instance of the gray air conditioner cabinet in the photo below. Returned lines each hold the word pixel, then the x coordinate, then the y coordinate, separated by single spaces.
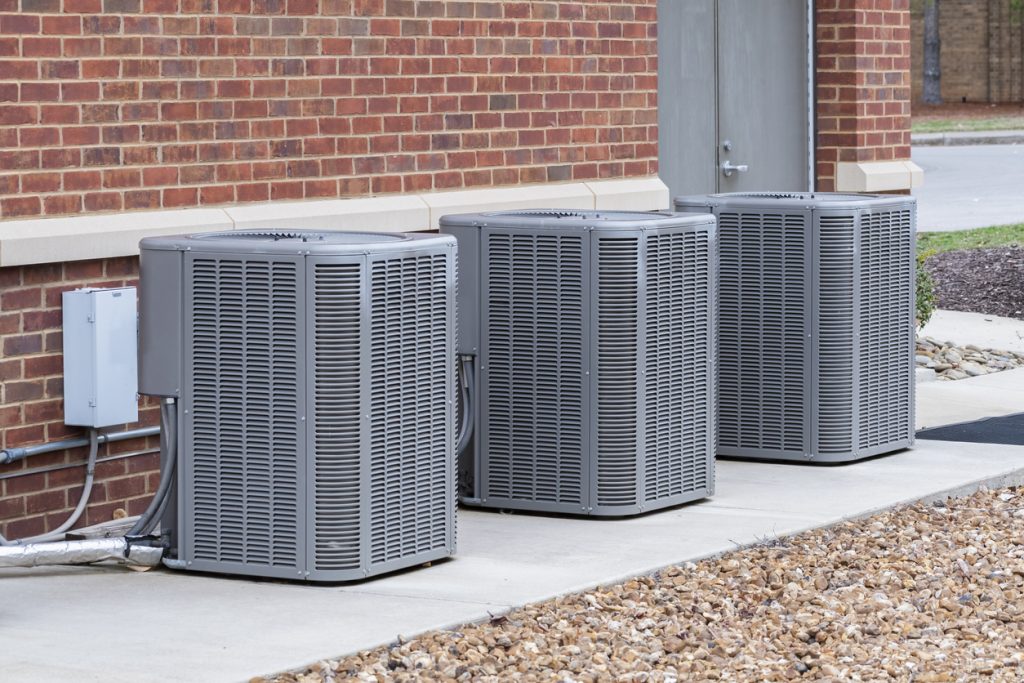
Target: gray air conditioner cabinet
pixel 816 324
pixel 315 378
pixel 594 337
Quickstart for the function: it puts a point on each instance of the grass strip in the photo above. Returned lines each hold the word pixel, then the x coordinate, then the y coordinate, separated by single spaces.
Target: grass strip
pixel 978 238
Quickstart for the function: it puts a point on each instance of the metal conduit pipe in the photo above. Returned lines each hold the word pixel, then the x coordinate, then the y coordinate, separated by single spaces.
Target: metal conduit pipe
pixel 83 500
pixel 169 459
pixel 9 455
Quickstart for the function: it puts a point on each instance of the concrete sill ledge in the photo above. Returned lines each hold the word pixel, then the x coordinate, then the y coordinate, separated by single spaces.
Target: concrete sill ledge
pixel 94 235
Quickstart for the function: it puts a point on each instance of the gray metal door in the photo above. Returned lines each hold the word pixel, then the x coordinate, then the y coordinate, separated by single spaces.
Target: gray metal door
pixel 733 95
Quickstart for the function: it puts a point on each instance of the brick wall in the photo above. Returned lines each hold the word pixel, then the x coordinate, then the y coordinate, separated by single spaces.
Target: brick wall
pixel 37 494
pixel 982 53
pixel 108 105
pixel 1006 51
pixel 111 105
pixel 863 89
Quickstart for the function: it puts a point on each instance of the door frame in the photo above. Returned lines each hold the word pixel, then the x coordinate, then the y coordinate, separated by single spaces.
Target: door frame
pixel 812 99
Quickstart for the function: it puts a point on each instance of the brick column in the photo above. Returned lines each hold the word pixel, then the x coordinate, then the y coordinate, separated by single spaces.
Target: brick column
pixel 863 93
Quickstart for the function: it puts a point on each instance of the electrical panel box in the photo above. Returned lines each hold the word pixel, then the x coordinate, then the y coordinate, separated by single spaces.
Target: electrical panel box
pixel 100 357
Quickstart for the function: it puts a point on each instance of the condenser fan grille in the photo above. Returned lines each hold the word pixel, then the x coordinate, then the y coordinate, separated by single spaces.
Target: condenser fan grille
pixel 534 361
pixel 244 333
pixel 316 403
pixel 816 325
pixel 596 358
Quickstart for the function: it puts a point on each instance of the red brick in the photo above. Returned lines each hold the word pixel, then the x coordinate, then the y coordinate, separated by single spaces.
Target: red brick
pixel 34 321
pixel 45 502
pixel 110 469
pixel 12 507
pixel 103 201
pixel 29 483
pixel 126 487
pixel 22 528
pixel 10 322
pixel 14 207
pixel 100 512
pixel 180 197
pixel 62 204
pixel 43 366
pixel 23 24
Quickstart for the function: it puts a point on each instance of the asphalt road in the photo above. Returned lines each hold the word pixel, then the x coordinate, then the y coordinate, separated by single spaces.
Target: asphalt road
pixel 970 186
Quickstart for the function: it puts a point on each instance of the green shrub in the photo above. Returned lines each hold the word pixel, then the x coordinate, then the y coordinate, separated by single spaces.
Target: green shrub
pixel 925 291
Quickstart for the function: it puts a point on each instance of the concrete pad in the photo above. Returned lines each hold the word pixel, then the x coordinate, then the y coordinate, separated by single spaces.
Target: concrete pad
pixel 984 331
pixel 105 624
pixel 109 624
pixel 537 553
pixel 942 403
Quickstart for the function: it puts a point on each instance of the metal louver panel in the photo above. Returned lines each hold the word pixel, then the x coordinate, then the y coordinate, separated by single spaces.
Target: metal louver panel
pixel 596 355
pixel 886 283
pixel 411 478
pixel 533 406
pixel 316 400
pixel 679 411
pixel 337 415
pixel 816 324
pixel 762 331
pixel 618 367
pixel 242 443
pixel 836 344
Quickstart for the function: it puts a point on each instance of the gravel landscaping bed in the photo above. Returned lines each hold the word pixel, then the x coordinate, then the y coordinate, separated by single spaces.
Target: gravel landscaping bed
pixel 950 361
pixel 921 593
pixel 980 280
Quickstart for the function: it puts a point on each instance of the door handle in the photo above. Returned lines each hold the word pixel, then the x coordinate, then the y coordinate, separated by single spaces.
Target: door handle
pixel 728 168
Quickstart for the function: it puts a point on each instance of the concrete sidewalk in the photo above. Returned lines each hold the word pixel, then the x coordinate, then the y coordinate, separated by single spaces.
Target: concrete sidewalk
pixel 969 187
pixel 957 138
pixel 983 330
pixel 110 624
pixel 942 403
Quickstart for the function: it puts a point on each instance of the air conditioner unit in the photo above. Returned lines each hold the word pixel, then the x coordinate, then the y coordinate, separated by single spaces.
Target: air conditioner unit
pixel 315 378
pixel 816 326
pixel 594 337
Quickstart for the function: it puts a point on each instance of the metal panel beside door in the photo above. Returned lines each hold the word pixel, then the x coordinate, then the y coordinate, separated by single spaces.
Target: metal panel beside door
pixel 733 91
pixel 687 120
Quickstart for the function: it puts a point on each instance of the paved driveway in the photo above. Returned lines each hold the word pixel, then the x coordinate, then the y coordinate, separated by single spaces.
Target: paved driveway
pixel 970 187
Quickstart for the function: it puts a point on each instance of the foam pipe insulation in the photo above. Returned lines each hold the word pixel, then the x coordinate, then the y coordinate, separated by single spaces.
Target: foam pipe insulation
pixel 79 552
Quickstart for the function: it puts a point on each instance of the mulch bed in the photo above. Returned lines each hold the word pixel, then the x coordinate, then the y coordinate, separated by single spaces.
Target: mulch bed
pixel 980 280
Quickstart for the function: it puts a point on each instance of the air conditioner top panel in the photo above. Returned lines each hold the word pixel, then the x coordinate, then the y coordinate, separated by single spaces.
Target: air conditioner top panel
pixel 568 219
pixel 295 242
pixel 813 201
